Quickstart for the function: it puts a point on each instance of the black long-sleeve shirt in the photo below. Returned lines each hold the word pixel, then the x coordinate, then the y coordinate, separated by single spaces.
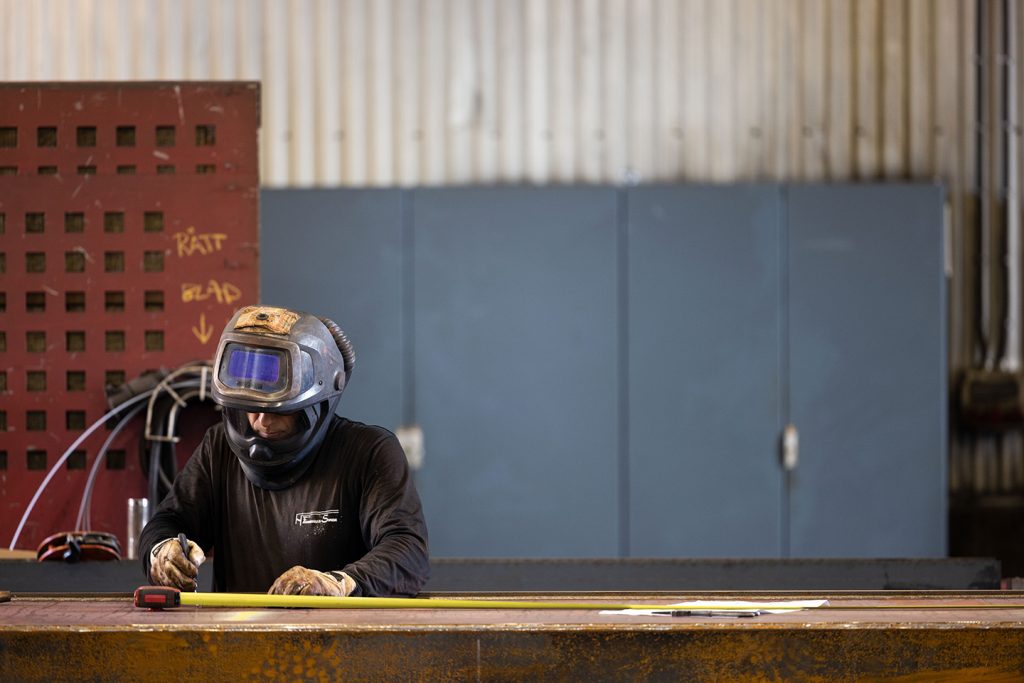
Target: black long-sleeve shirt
pixel 355 510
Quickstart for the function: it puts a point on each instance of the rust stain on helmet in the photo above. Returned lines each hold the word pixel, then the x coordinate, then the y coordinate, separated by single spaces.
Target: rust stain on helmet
pixel 266 320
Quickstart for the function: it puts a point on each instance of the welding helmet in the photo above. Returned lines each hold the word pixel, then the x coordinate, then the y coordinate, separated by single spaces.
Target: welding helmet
pixel 273 360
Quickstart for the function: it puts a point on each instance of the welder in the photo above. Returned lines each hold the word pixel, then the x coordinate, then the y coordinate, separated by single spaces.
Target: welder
pixel 290 497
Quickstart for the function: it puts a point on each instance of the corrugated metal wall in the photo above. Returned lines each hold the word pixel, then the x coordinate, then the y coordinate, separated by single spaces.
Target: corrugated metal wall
pixel 386 92
pixel 435 92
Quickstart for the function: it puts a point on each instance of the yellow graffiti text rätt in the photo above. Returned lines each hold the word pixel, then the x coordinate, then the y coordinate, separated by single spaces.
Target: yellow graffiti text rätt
pixel 190 243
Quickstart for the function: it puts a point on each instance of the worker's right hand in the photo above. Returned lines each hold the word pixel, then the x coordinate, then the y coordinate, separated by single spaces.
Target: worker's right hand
pixel 170 567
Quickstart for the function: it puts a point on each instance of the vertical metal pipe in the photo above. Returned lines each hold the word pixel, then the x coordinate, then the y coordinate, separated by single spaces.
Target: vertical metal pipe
pixel 982 179
pixel 1011 144
pixel 138 517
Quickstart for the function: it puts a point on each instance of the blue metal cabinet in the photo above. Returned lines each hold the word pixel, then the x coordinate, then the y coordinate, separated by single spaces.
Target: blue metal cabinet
pixel 516 370
pixel 867 370
pixel 605 372
pixel 703 368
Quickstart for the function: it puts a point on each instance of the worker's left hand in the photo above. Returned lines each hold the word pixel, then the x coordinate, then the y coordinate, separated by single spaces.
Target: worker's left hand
pixel 302 581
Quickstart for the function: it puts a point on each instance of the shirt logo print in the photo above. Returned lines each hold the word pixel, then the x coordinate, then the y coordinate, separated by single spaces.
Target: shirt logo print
pixel 316 517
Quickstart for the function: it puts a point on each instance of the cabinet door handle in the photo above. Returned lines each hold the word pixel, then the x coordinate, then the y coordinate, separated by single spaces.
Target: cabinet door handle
pixel 790 447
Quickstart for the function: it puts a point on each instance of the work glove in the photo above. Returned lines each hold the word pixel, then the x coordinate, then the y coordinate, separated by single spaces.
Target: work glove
pixel 302 581
pixel 169 566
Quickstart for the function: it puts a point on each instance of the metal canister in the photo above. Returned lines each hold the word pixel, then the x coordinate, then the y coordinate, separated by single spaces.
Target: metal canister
pixel 138 516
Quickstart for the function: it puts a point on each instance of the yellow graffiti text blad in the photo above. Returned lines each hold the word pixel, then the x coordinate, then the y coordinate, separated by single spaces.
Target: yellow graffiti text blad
pixel 221 292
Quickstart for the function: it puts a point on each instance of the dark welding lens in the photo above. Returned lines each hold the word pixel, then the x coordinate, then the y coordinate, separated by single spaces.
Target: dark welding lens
pixel 255 365
pixel 263 370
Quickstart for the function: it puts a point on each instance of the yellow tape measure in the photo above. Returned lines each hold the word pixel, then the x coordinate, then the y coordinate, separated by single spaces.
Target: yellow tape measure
pixel 159 597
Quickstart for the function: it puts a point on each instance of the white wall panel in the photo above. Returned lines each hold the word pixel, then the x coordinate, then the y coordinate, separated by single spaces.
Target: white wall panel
pixel 276 141
pixel 199 55
pixel 170 35
pixel 327 114
pixel 617 167
pixel 355 91
pixel 667 126
pixel 224 49
pixel 589 134
pixel 303 95
pixel 640 79
pixel 894 89
pixel 433 93
pixel 249 36
pixel 746 85
pixel 696 103
pixel 722 132
pixel 381 125
pixel 462 65
pixel 487 141
pixel 813 90
pixel 408 129
pixel 562 38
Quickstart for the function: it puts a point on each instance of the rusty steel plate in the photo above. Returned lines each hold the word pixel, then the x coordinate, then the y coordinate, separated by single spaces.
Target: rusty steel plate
pixel 921 637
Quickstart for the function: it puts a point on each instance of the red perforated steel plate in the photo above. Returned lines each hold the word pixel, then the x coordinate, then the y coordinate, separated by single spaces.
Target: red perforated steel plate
pixel 128 235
